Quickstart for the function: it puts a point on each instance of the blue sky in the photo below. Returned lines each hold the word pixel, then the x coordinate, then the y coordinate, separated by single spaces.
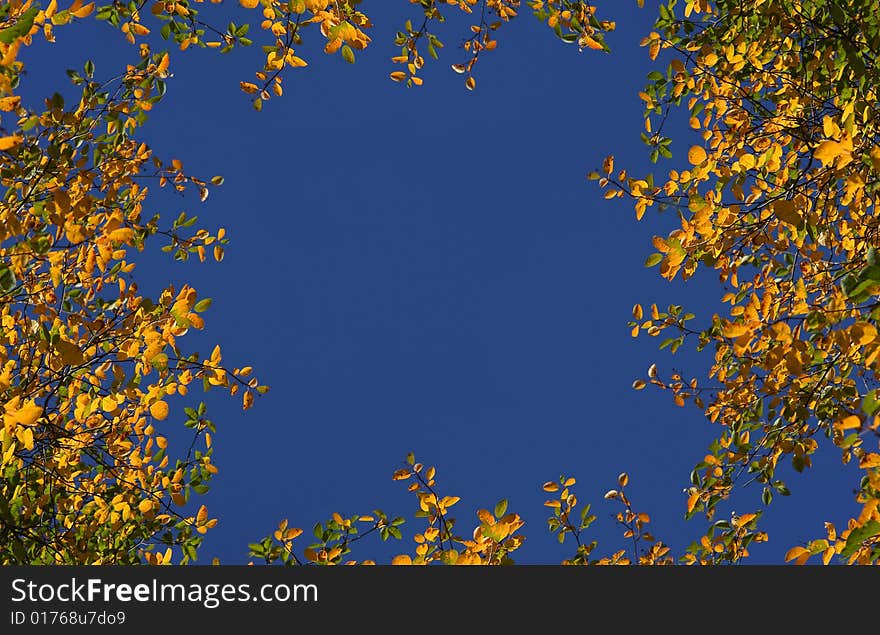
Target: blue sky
pixel 429 270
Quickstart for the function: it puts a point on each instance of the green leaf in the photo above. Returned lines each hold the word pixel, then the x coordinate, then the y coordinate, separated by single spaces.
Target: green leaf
pixel 21 27
pixel 653 259
pixel 348 54
pixel 202 305
pixel 870 404
pixel 7 279
pixel 860 288
pixel 501 508
pixel 858 536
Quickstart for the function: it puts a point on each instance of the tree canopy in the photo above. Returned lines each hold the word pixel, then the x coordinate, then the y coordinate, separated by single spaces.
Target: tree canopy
pixel 778 199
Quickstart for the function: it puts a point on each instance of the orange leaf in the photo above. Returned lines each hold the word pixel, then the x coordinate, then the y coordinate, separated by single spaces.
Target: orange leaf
pixel 799 554
pixel 7 143
pixel 9 103
pixel 402 560
pixel 163 65
pixel 849 423
pixel 85 11
pixel 872 459
pixel 159 410
pixel 586 40
pixel 735 330
pixel 696 155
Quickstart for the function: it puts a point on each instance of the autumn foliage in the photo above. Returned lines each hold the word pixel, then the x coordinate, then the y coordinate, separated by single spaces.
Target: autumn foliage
pixel 777 195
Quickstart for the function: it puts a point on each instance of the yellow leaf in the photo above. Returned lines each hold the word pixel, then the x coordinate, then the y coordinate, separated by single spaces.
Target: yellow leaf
pixel 608 164
pixel 7 143
pixel 26 436
pixel 74 234
pixel 550 486
pixel 863 333
pixel 696 155
pixel 159 410
pixel 827 555
pixel 401 560
pixel 28 414
pixel 123 234
pixel 692 501
pixel 108 404
pixel 398 76
pixel 145 506
pixel 875 158
pixel 744 519
pixel 7 455
pixel 249 4
pixel 829 128
pixel 828 151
